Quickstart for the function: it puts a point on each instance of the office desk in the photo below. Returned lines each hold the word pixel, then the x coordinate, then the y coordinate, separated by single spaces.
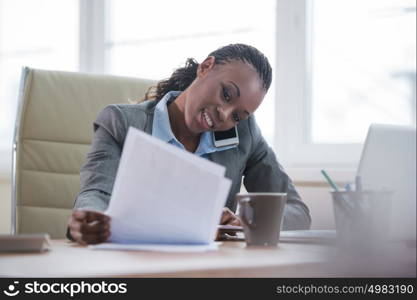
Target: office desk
pixel 233 259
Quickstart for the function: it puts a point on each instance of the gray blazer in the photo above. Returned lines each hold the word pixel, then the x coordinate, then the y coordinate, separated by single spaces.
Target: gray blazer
pixel 252 159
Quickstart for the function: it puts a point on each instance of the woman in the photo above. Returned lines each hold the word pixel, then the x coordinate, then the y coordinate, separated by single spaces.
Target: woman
pixel 222 92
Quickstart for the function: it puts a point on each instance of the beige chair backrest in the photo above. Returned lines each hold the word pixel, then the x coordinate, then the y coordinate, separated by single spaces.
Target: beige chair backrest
pixel 54 128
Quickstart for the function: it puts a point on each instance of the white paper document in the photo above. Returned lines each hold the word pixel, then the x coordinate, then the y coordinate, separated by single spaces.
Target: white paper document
pixel 165 195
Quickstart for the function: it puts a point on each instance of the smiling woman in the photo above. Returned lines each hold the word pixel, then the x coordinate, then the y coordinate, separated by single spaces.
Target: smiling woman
pixel 220 93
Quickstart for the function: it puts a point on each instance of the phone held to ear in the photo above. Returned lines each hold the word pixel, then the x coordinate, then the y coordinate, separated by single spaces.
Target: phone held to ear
pixel 226 138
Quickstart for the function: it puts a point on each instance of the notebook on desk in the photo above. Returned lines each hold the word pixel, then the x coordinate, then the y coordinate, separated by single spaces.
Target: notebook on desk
pixel 308 236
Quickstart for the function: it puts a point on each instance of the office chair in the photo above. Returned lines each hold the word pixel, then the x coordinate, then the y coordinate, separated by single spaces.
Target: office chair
pixel 53 132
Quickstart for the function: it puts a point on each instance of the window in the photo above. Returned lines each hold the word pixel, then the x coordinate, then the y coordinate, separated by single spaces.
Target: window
pixel 342 65
pixel 39 34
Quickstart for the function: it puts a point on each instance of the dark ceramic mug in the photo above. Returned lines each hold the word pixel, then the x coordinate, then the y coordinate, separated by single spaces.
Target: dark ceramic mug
pixel 261 215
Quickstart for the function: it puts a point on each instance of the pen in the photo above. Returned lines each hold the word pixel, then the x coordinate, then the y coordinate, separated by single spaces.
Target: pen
pixel 329 180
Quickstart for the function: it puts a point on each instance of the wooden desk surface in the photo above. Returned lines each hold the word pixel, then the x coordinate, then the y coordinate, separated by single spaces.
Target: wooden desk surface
pixel 233 259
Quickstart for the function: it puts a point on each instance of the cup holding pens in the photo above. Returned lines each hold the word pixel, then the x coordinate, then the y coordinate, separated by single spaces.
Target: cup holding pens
pixel 362 217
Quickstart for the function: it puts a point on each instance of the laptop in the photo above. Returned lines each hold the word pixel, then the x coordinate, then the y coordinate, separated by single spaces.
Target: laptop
pixel 388 161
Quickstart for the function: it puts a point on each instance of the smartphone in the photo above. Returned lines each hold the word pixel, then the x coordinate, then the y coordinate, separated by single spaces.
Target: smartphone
pixel 226 138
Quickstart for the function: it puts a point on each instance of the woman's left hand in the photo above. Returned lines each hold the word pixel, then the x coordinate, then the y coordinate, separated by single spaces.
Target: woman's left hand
pixel 229 218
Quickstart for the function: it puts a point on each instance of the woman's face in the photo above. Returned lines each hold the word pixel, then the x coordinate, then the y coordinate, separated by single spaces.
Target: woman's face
pixel 222 95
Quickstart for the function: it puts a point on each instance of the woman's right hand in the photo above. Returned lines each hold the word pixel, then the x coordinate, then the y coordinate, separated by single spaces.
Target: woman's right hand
pixel 89 227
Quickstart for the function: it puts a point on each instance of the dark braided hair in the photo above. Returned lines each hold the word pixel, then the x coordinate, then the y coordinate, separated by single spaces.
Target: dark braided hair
pixel 183 77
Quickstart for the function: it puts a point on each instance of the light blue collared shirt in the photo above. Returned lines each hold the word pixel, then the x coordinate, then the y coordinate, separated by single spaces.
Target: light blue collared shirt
pixel 161 128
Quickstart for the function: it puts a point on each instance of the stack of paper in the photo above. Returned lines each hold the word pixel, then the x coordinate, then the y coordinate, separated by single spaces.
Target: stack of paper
pixel 164 195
